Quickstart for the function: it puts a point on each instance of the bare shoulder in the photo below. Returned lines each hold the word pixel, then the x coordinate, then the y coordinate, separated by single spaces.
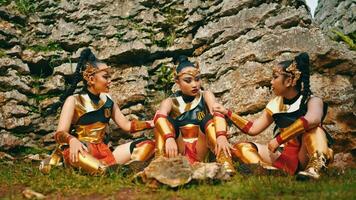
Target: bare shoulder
pixel 208 93
pixel 70 99
pixel 167 101
pixel 315 102
pixel 208 96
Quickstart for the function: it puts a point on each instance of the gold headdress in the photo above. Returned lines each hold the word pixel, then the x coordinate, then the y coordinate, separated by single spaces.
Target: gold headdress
pixel 91 70
pixel 291 71
pixel 193 72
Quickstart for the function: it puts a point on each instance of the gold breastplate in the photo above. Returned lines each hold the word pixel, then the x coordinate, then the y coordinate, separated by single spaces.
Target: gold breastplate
pixel 93 132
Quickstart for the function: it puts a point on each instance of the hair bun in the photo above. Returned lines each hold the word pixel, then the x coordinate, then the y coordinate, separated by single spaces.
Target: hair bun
pixel 85 53
pixel 180 59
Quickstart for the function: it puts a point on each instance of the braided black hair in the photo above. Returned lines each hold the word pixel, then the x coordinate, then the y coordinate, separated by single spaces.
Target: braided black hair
pixel 86 57
pixel 302 61
pixel 303 83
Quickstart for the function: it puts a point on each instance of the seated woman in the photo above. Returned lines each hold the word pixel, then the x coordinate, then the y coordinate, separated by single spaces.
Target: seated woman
pixel 88 115
pixel 298 115
pixel 184 122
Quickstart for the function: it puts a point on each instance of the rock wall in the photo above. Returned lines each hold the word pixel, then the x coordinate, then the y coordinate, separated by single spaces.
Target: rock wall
pixel 340 14
pixel 235 42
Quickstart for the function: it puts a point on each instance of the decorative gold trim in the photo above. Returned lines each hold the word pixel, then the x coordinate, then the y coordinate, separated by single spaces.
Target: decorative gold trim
pixel 179 106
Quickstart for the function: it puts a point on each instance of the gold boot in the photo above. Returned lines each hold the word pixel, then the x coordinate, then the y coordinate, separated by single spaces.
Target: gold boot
pixel 315 164
pixel 226 161
pixel 53 160
pixel 141 155
pixel 319 153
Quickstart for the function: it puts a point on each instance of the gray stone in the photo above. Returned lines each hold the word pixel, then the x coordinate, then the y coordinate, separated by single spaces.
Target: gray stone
pixel 65 69
pixel 13 63
pixel 13 95
pixel 53 84
pixel 335 14
pixel 8 141
pixel 128 85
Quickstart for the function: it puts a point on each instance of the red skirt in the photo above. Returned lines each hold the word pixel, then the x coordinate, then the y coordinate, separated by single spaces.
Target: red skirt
pixel 288 160
pixel 99 151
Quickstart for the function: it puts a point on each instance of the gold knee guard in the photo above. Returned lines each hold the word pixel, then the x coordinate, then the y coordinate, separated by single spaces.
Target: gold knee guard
pixel 143 151
pixel 90 164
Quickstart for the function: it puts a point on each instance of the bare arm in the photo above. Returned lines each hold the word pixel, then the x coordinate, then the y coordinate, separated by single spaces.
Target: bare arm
pixel 315 112
pixel 120 119
pixel 209 100
pixel 62 135
pixel 66 116
pixel 260 124
pixel 165 106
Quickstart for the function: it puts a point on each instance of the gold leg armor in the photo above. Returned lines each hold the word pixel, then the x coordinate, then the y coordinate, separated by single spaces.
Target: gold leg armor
pixel 211 136
pixel 248 154
pixel 53 160
pixel 143 151
pixel 90 164
pixel 159 143
pixel 318 151
pixel 163 130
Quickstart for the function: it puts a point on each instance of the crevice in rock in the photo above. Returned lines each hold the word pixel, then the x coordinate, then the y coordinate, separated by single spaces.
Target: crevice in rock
pixel 41 69
pixel 17 19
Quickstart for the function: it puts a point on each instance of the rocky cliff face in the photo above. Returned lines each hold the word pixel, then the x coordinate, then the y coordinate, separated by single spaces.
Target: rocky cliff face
pixel 340 14
pixel 236 43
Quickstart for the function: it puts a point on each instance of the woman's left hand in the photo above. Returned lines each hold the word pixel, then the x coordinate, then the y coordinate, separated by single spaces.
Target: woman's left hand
pixel 273 145
pixel 223 145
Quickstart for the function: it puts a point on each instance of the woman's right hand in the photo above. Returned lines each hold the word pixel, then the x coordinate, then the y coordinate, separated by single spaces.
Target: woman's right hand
pixel 219 108
pixel 76 147
pixel 171 148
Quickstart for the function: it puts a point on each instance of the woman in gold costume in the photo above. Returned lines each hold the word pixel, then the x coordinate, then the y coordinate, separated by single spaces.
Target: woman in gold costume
pixel 84 119
pixel 300 143
pixel 186 124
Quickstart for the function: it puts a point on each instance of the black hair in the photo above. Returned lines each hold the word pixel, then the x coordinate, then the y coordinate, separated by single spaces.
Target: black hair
pixel 86 58
pixel 303 83
pixel 182 62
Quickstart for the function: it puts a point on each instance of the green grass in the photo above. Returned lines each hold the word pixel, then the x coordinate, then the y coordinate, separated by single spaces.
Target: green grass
pixel 26 7
pixel 64 182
